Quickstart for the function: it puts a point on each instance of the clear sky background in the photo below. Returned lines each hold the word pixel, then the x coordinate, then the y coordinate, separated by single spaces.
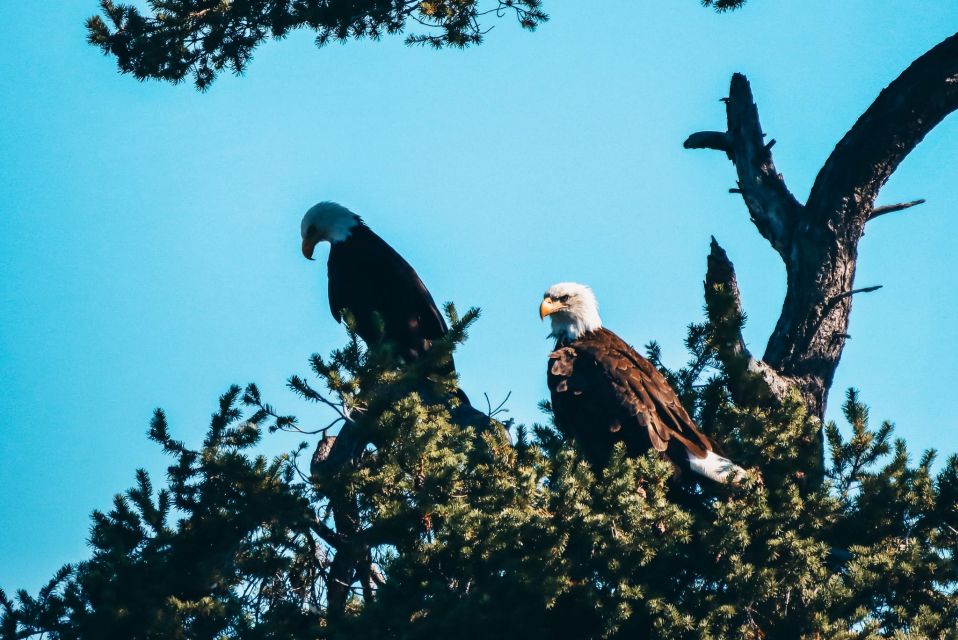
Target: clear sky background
pixel 149 234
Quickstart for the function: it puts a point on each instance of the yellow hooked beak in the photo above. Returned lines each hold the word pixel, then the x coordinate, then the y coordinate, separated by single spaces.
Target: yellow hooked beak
pixel 309 243
pixel 548 307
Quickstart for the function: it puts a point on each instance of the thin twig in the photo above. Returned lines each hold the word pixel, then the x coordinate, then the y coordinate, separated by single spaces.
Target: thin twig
pixel 892 208
pixel 492 413
pixel 845 294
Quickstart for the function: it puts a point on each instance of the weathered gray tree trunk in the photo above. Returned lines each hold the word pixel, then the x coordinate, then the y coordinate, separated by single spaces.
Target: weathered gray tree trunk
pixel 818 240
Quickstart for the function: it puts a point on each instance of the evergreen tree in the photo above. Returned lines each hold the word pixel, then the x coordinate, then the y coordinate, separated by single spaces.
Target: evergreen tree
pixel 410 525
pixel 411 522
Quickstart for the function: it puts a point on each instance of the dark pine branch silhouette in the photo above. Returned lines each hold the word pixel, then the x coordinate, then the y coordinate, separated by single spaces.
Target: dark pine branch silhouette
pixel 199 38
pixel 817 240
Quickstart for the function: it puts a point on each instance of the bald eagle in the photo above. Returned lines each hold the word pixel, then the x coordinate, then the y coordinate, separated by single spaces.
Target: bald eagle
pixel 368 277
pixel 604 392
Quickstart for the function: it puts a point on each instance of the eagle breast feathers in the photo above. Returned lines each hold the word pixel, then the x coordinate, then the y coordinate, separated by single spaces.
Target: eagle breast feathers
pixel 639 393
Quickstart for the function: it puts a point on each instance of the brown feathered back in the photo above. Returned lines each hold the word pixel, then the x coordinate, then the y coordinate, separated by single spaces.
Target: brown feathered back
pixel 604 392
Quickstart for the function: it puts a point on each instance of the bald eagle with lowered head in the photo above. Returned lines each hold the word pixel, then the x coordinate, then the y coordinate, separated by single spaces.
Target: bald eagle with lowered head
pixel 604 392
pixel 369 278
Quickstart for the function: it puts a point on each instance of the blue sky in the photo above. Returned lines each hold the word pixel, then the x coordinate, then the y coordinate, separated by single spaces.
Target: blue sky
pixel 149 249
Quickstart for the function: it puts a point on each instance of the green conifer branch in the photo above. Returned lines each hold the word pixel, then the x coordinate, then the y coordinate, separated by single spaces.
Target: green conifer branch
pixel 176 39
pixel 434 528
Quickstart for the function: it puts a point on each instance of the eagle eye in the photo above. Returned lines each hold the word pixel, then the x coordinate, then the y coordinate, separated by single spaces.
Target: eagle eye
pixel 564 298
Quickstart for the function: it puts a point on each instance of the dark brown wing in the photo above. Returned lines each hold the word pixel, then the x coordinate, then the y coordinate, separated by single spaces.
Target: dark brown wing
pixel 368 277
pixel 604 385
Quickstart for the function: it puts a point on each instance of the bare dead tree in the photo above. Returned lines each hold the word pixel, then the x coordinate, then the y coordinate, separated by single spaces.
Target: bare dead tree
pixel 817 240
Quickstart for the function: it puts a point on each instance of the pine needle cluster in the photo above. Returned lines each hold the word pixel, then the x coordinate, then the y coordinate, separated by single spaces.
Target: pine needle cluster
pixel 175 39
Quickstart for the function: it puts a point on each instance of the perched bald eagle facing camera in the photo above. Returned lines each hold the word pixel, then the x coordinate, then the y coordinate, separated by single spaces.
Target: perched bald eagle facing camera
pixel 368 277
pixel 604 392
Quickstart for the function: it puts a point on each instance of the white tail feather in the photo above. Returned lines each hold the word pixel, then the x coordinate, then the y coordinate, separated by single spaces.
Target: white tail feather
pixel 715 467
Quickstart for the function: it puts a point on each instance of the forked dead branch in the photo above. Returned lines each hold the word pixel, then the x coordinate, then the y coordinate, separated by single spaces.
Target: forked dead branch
pixel 818 240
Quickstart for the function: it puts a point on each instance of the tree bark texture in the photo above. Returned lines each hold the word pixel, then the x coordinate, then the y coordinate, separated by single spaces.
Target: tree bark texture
pixel 818 240
pixel 352 557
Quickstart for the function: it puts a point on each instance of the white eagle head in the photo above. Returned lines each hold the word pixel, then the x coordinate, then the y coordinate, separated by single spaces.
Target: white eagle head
pixel 326 221
pixel 572 308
